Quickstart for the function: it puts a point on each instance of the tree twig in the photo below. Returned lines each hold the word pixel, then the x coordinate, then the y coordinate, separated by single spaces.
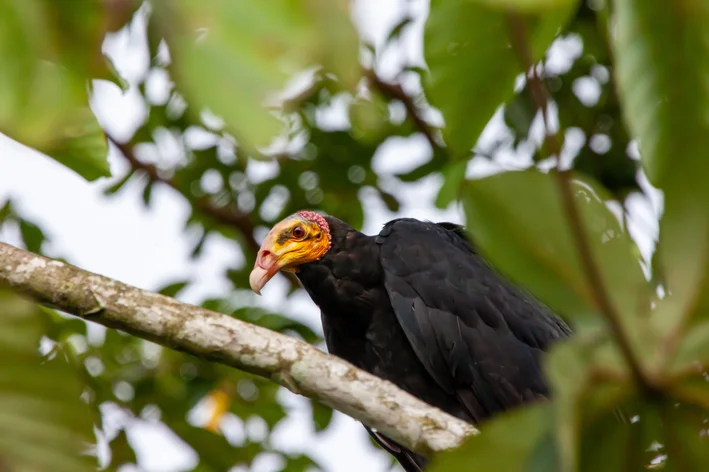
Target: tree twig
pixel 552 141
pixel 212 336
pixel 225 215
pixel 397 92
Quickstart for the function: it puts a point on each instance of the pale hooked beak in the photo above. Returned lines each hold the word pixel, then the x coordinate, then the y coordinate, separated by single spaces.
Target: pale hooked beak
pixel 266 266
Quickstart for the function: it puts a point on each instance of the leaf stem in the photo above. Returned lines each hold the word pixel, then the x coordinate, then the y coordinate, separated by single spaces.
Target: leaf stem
pixel 553 144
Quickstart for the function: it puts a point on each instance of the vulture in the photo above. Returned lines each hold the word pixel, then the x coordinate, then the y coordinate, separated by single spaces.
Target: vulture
pixel 417 305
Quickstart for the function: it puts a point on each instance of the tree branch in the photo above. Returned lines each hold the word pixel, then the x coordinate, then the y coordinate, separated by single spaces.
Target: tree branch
pixel 553 143
pixel 397 92
pixel 225 215
pixel 213 336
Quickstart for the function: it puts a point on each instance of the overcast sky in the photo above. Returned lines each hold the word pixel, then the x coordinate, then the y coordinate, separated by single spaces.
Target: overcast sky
pixel 120 238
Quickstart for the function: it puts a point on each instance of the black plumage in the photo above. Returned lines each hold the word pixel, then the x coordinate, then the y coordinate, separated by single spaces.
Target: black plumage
pixel 416 305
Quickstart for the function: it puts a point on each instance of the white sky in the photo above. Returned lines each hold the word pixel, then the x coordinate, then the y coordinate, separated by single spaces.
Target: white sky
pixel 120 238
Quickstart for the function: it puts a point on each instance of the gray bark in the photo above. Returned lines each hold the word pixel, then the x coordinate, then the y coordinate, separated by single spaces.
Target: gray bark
pixel 297 366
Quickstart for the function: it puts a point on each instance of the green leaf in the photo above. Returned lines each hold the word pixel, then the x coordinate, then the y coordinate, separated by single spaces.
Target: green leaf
pixel 5 212
pixel 217 453
pixel 322 415
pixel 662 58
pixel 526 6
pixel 506 443
pixel 519 114
pixel 437 161
pixel 472 66
pixel 118 185
pixel 370 119
pixel 580 399
pixel 121 451
pixel 612 446
pixel 685 437
pixel 32 236
pixel 301 463
pixel 661 426
pixel 39 399
pixel 662 61
pixel 147 193
pixel 518 220
pixel 275 322
pixel 44 104
pixel 173 289
pixel 453 177
pixel 396 31
pixel 82 146
pixel 693 348
pixel 233 56
pixel 390 201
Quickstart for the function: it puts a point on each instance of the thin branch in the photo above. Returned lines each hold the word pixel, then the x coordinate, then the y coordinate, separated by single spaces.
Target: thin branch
pixel 397 92
pixel 225 215
pixel 212 336
pixel 552 141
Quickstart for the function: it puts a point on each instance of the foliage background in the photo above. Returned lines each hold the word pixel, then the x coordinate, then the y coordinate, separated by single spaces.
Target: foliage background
pixel 165 220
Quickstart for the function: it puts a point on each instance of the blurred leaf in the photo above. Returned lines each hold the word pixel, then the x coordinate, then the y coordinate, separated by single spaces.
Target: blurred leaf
pixel 5 212
pixel 686 440
pixel 453 177
pixel 121 451
pixel 119 184
pixel 390 201
pixel 518 220
pixel 215 450
pixel 519 114
pixel 438 160
pixel 505 443
pixel 77 32
pixel 43 104
pixel 370 119
pixel 245 51
pixel 580 398
pixel 662 61
pixel 173 289
pixel 83 147
pixel 688 367
pixel 32 236
pixel 300 463
pixel 467 49
pixel 661 426
pixel 39 399
pixel 60 327
pixel 527 6
pixel 276 322
pixel 396 31
pixel 322 416
pixel 616 447
pixel 147 193
pixel 665 105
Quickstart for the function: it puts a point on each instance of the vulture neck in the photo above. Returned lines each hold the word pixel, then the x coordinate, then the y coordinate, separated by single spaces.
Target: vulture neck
pixel 339 281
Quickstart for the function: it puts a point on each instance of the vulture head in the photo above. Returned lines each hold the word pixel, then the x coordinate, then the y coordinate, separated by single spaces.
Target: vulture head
pixel 298 239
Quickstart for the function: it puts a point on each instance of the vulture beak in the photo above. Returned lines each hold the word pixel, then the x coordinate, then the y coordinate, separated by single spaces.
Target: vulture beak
pixel 270 259
pixel 266 265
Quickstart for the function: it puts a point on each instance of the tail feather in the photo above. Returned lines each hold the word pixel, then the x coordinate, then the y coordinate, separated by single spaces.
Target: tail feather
pixel 409 460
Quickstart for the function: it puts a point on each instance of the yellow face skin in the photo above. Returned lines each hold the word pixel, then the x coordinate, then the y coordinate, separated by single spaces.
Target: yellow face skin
pixel 292 242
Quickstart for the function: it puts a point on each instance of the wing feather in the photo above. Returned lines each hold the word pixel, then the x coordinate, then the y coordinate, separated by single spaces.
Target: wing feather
pixel 477 335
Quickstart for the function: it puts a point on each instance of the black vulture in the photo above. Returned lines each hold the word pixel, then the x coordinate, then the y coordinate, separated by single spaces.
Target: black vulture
pixel 419 306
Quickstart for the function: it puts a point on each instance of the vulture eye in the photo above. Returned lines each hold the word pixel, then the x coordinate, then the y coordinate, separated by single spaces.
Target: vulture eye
pixel 298 232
